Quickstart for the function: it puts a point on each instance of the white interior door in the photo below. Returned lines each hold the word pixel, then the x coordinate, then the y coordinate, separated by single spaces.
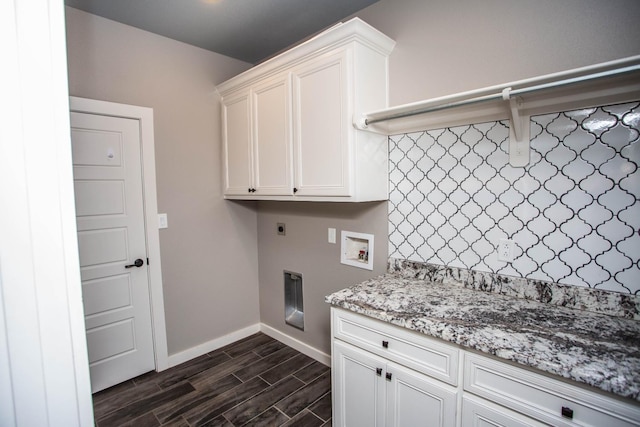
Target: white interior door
pixel 111 237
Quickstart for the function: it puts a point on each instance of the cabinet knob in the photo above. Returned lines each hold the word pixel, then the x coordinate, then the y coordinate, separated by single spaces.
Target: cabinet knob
pixel 379 371
pixel 388 376
pixel 295 190
pixel 385 344
pixel 567 412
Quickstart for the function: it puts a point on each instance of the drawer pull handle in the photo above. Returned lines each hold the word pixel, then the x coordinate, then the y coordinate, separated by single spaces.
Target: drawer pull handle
pixel 388 376
pixel 385 344
pixel 567 412
pixel 379 371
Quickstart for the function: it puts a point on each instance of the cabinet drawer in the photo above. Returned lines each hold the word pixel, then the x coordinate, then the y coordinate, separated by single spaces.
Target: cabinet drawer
pixel 477 412
pixel 411 349
pixel 544 398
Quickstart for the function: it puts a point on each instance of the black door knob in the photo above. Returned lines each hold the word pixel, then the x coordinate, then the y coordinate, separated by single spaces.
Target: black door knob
pixel 136 263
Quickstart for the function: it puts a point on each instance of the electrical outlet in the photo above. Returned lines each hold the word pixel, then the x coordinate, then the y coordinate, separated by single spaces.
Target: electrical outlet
pixel 282 230
pixel 506 250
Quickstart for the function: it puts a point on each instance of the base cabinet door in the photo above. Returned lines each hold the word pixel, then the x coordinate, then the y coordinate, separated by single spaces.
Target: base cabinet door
pixel 359 387
pixel 369 391
pixel 415 400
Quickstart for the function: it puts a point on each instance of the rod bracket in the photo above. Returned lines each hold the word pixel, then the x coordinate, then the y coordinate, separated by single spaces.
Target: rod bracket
pixel 360 122
pixel 519 135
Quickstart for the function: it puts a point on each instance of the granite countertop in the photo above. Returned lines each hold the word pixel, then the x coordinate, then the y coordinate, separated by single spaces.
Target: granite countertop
pixel 585 346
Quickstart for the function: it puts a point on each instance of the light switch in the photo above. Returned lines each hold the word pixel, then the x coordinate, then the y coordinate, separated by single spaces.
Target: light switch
pixel 331 235
pixel 162 221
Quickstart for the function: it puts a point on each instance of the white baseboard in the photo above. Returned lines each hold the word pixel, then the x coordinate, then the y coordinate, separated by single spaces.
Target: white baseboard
pixel 303 348
pixel 199 350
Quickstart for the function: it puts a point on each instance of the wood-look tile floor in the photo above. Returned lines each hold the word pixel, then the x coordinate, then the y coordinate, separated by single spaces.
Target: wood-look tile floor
pixel 257 381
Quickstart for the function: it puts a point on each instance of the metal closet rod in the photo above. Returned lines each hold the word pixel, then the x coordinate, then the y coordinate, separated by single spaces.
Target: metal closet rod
pixel 501 95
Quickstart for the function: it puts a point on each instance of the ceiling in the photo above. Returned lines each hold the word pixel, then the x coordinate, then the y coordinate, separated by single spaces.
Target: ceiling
pixel 248 30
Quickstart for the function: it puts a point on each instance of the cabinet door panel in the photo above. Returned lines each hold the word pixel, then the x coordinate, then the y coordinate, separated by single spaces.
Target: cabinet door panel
pixel 236 139
pixel 272 137
pixel 415 400
pixel 358 390
pixel 321 141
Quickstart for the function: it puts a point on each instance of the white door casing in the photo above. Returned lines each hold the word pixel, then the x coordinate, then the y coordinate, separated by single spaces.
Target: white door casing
pixel 105 216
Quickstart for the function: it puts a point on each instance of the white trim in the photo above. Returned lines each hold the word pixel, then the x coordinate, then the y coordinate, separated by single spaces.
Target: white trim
pixel 43 362
pixel 199 350
pixel 145 116
pixel 296 344
pixel 339 35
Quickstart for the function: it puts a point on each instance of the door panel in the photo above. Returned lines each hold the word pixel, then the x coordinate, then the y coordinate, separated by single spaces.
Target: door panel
pixel 99 198
pixel 416 400
pixel 111 235
pixel 360 391
pixel 321 136
pixel 102 246
pixel 108 293
pixel 95 148
pixel 236 140
pixel 272 137
pixel 110 341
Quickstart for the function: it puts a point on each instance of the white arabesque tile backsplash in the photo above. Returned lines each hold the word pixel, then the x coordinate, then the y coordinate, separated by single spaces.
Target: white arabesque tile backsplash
pixel 573 211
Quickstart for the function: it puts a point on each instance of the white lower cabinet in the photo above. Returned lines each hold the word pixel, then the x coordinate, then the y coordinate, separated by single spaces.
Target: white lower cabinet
pixel 372 391
pixel 385 375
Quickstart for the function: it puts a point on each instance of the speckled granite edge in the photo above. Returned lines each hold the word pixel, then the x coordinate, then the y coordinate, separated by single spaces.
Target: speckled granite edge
pixel 576 297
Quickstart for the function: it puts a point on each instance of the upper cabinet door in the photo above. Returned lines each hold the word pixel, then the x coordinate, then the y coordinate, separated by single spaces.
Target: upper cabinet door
pixel 272 148
pixel 236 140
pixel 321 111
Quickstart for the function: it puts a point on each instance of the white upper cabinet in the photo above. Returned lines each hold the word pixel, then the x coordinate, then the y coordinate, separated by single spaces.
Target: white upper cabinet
pixel 287 123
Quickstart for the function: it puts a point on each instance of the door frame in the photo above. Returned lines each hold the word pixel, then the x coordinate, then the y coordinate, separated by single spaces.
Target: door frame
pixel 144 115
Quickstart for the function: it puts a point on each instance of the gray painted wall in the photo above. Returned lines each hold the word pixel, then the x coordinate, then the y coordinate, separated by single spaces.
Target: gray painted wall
pixel 305 250
pixel 449 46
pixel 212 249
pixel 209 251
pixel 443 47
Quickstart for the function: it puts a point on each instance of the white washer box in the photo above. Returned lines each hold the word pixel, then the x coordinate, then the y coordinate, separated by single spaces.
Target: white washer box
pixel 356 249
